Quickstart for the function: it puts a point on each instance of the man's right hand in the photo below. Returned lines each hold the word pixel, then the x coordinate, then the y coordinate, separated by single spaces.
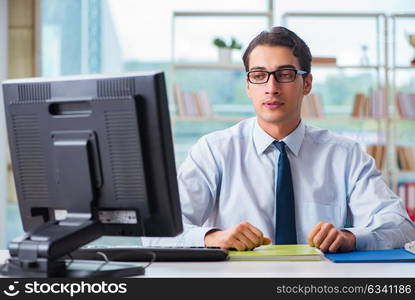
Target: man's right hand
pixel 243 236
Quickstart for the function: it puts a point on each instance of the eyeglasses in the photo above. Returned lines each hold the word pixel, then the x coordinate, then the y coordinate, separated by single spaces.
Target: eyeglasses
pixel 282 75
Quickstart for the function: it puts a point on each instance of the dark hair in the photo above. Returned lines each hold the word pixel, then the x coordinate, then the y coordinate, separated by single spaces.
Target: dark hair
pixel 281 36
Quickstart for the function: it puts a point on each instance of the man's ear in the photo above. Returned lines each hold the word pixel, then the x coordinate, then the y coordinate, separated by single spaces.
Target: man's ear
pixel 247 88
pixel 308 84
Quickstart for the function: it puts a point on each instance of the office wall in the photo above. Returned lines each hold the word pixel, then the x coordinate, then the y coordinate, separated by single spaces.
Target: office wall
pixel 3 160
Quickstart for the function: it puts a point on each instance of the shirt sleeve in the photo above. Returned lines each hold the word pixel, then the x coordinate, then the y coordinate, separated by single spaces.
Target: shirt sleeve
pixel 198 181
pixel 377 216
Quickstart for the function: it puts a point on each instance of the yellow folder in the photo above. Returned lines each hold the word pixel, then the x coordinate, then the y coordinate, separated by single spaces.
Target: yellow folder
pixel 278 252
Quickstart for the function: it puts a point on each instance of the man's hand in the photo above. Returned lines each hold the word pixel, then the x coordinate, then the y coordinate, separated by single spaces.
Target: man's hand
pixel 243 236
pixel 328 238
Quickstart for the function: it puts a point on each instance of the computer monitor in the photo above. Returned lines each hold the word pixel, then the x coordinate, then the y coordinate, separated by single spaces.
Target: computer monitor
pixel 91 156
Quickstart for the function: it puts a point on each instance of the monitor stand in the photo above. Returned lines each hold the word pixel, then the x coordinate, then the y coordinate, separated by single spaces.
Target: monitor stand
pixel 45 252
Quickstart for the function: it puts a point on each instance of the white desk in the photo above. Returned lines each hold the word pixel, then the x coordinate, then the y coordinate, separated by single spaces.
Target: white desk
pixel 281 269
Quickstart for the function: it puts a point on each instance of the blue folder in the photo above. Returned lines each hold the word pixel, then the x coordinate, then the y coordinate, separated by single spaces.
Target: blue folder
pixel 389 255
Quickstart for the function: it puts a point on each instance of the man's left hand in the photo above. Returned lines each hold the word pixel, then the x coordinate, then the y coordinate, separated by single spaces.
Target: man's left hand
pixel 328 238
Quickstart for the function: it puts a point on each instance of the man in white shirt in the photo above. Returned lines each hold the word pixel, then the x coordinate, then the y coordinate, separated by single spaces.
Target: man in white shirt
pixel 231 184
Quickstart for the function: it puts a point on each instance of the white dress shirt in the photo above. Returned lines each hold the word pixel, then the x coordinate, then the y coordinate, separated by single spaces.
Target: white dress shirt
pixel 229 177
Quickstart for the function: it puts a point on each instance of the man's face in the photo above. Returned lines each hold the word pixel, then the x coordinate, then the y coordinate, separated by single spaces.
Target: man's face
pixel 275 102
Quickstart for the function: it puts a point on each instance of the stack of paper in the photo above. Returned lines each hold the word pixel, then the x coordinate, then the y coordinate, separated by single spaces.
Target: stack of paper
pixel 277 252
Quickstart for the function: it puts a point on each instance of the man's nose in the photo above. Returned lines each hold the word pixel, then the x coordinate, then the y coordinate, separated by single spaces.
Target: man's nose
pixel 272 86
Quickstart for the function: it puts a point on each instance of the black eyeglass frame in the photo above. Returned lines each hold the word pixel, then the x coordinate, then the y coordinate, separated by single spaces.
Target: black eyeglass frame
pixel 297 72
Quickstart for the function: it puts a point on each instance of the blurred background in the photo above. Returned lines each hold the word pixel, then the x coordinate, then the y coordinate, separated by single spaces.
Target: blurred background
pixel 363 67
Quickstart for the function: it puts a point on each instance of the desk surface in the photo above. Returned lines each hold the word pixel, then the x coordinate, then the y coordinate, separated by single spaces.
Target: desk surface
pixel 276 269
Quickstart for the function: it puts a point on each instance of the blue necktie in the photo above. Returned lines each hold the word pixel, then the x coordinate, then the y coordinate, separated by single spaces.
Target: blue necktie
pixel 285 232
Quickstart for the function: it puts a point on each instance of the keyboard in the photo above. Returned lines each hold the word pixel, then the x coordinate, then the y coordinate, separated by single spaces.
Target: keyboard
pixel 138 253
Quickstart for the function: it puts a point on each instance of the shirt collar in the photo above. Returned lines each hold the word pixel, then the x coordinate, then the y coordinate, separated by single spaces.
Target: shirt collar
pixel 263 140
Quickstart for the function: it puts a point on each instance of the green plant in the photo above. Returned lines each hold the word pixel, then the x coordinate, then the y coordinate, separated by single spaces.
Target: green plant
pixel 221 43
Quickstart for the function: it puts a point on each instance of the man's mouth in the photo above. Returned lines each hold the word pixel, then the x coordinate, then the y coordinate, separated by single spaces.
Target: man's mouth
pixel 273 104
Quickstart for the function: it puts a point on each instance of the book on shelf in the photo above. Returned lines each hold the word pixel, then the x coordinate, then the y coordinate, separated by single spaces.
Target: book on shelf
pixel 312 106
pixel 406 157
pixel 206 106
pixel 178 100
pixel 190 103
pixel 378 152
pixel 359 105
pixel 278 252
pixel 324 60
pixel 374 106
pixel 401 158
pixel 405 103
pixel 378 105
pixel 406 191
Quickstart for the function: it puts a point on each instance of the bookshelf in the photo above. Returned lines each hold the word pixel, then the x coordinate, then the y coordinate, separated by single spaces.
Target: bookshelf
pixel 402 171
